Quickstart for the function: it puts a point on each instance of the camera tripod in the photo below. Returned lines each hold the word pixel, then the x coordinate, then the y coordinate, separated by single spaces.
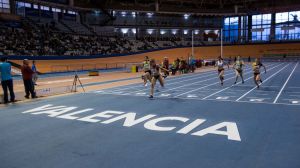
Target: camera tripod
pixel 74 86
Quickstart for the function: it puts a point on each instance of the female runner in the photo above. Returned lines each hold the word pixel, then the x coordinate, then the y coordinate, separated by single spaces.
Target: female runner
pixel 256 71
pixel 220 64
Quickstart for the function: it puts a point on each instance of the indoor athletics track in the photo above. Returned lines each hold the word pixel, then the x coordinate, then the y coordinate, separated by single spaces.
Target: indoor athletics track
pixel 193 122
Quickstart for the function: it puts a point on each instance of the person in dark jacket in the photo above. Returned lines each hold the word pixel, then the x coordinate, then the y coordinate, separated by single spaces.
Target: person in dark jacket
pixel 27 74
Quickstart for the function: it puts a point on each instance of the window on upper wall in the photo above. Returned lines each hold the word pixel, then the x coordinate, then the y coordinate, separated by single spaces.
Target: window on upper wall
pixel 287 25
pixel 231 26
pixel 261 27
pixel 56 10
pixel 45 8
pixel 4 6
pixel 23 4
pixel 72 12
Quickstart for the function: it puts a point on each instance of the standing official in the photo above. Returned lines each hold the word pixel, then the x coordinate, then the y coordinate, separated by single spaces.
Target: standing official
pixel 27 74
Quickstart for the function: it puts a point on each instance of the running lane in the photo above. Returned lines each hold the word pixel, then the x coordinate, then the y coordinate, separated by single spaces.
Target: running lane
pixel 270 87
pixel 226 92
pixel 291 92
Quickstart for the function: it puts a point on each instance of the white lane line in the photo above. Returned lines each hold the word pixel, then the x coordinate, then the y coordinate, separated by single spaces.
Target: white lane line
pixel 233 85
pixel 268 86
pixel 294 95
pixel 292 91
pixel 264 91
pixel 285 83
pixel 294 87
pixel 296 101
pixel 233 101
pixel 258 97
pixel 260 83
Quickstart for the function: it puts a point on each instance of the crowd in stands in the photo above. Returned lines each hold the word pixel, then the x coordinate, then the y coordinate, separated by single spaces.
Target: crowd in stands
pixel 21 42
pixel 49 41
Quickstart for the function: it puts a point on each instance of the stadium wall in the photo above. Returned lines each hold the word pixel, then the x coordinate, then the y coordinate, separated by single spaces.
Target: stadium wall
pixel 46 63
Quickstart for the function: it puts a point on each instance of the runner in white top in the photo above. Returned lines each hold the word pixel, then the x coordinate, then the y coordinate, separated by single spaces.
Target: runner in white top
pixel 220 64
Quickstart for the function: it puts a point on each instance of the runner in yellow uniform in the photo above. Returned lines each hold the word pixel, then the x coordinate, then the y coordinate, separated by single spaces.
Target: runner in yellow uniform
pixel 147 71
pixel 256 71
pixel 238 66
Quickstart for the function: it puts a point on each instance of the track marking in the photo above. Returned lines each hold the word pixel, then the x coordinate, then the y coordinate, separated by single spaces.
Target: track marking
pixel 191 95
pixel 257 100
pixel 285 83
pixel 294 87
pixel 223 97
pixel 195 98
pixel 184 76
pixel 295 102
pixel 165 95
pixel 294 95
pixel 261 83
pixel 233 85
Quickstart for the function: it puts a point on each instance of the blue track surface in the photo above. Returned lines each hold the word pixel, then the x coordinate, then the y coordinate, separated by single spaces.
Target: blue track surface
pixel 266 120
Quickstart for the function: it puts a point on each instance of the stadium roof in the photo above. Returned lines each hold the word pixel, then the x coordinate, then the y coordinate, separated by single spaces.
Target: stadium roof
pixel 195 6
pixel 200 7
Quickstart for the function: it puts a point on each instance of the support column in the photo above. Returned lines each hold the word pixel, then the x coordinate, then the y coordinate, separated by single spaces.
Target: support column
pixel 71 3
pixel 78 18
pixel 273 27
pixel 239 28
pixel 249 28
pixel 12 5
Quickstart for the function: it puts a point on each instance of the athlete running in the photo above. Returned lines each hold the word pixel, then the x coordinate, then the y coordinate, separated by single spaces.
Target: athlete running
pixel 156 75
pixel 220 64
pixel 147 71
pixel 256 71
pixel 238 66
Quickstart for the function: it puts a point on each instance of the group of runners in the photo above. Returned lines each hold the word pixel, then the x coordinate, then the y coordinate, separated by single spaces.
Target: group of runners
pixel 154 72
pixel 238 67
